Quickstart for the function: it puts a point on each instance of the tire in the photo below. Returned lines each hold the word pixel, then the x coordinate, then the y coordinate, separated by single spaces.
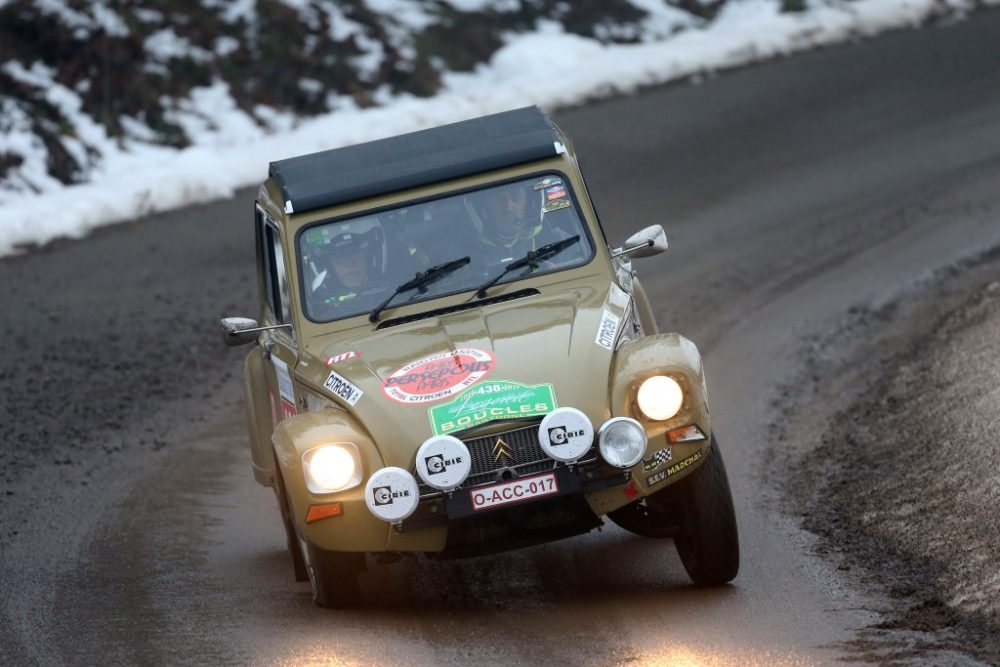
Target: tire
pixel 294 548
pixel 333 576
pixel 708 543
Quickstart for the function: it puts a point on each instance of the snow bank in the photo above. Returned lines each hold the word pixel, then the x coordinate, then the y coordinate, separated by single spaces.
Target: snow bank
pixel 231 151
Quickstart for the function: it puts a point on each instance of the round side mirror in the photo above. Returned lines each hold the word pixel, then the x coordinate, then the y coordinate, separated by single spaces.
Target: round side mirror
pixel 235 330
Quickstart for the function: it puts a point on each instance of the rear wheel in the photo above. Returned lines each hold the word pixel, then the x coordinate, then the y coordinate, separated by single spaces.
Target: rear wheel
pixel 708 543
pixel 333 576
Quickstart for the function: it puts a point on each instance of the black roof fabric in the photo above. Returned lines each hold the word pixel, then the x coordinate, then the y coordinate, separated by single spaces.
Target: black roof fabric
pixel 420 158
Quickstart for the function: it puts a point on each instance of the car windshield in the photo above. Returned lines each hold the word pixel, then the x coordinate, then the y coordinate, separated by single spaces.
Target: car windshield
pixel 351 266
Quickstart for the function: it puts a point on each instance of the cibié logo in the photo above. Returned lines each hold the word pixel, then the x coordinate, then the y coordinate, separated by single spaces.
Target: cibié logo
pixel 559 435
pixel 438 376
pixel 384 495
pixel 437 463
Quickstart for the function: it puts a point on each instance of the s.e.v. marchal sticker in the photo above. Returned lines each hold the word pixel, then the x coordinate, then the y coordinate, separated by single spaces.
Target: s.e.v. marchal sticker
pixel 438 376
pixel 673 470
pixel 343 388
pixel 491 401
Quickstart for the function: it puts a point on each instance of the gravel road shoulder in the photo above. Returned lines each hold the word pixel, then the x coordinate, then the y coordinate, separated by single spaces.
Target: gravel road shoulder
pixel 901 486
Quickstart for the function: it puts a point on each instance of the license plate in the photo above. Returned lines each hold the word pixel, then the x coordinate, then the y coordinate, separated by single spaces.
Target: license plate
pixel 506 493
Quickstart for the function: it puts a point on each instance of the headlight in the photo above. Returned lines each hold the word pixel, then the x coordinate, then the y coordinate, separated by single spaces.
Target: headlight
pixel 622 442
pixel 330 468
pixel 660 397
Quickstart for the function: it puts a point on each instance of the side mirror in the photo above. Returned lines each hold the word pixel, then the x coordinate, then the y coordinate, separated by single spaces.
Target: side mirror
pixel 239 330
pixel 645 243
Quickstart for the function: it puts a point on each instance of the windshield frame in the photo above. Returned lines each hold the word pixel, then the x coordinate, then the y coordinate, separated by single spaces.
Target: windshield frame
pixel 512 277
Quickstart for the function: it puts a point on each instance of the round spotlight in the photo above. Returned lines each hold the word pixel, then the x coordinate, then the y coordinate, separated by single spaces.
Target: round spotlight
pixel 622 441
pixel 391 494
pixel 443 462
pixel 565 435
pixel 660 397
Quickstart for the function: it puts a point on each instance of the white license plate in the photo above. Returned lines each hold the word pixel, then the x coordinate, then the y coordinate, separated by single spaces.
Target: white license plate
pixel 506 493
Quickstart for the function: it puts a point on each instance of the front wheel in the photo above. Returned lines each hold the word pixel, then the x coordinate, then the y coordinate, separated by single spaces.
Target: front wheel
pixel 708 543
pixel 298 562
pixel 333 576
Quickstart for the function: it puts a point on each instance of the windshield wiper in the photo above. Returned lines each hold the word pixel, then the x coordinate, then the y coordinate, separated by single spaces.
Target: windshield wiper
pixel 531 259
pixel 420 282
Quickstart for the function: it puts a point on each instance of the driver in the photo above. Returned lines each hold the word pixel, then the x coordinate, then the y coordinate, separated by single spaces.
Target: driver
pixel 511 219
pixel 354 258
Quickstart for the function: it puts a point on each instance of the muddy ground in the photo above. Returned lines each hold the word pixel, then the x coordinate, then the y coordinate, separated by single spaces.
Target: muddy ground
pixel 903 486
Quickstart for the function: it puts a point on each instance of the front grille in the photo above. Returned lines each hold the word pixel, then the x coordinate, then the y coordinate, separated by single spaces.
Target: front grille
pixel 525 457
pixel 521 445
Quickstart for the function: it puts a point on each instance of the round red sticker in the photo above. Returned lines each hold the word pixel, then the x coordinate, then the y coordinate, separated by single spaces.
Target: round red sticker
pixel 438 376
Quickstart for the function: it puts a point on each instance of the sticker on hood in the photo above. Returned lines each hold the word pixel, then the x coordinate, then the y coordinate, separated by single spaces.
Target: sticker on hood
pixel 491 401
pixel 438 376
pixel 343 356
pixel 607 330
pixel 343 388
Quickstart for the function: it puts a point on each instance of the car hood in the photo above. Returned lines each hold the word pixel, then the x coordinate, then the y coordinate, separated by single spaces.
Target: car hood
pixel 442 374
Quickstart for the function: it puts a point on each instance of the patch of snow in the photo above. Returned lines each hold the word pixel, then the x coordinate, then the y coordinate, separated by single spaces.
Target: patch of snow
pixel 663 20
pixel 166 44
pixel 483 5
pixel 109 21
pixel 69 17
pixel 147 15
pixel 225 45
pixel 341 27
pixel 407 12
pixel 235 10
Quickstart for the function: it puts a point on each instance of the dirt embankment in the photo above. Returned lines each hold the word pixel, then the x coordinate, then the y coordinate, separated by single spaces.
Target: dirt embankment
pixel 903 486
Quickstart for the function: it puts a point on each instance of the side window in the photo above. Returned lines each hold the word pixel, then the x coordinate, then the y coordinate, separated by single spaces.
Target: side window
pixel 273 268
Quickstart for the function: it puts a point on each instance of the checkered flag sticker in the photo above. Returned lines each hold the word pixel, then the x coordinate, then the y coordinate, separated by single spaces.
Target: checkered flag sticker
pixel 658 458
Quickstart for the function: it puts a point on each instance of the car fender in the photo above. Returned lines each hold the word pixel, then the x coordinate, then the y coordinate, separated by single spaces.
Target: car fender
pixel 647 319
pixel 355 529
pixel 259 417
pixel 661 354
pixel 668 354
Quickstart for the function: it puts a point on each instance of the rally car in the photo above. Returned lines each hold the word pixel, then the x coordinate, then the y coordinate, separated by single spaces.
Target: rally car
pixel 450 360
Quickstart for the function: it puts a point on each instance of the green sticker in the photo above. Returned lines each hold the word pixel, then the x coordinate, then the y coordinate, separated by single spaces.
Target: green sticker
pixel 491 401
pixel 315 237
pixel 556 205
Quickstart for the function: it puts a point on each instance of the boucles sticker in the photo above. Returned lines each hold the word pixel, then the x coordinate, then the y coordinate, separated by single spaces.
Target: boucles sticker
pixel 673 470
pixel 343 356
pixel 491 401
pixel 438 376
pixel 556 205
pixel 548 182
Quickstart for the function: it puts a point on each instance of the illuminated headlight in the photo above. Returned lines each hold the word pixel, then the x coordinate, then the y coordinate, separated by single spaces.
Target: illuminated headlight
pixel 330 468
pixel 622 441
pixel 660 397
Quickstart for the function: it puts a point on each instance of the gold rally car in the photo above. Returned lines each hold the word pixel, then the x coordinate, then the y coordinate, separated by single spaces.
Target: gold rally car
pixel 451 360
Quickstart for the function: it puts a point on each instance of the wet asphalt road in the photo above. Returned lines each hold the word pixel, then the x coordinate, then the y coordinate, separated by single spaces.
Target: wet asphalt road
pixel 131 530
